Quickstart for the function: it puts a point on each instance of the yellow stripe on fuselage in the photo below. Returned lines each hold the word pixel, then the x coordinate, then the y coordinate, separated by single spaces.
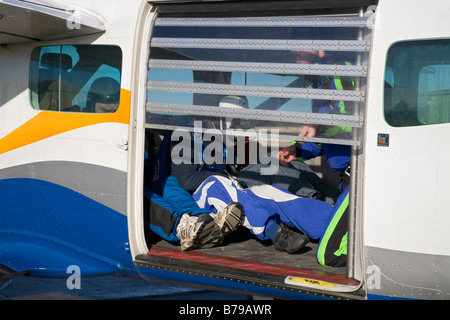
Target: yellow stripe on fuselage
pixel 50 123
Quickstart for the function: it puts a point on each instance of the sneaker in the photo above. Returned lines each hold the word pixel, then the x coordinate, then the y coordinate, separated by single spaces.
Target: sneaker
pixel 227 220
pixel 230 218
pixel 193 231
pixel 204 231
pixel 289 240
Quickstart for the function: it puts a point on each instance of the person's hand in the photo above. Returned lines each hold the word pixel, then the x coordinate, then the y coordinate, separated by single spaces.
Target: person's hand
pixel 286 155
pixel 308 131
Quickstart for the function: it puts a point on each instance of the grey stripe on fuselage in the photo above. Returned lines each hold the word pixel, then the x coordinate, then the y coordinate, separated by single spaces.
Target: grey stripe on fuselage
pixel 407 274
pixel 102 184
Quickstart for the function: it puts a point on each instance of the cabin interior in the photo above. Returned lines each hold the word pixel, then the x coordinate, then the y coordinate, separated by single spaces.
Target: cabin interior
pixel 242 244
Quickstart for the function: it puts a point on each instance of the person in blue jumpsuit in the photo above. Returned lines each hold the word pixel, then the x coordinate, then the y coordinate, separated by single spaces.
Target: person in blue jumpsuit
pixel 266 207
pixel 332 250
pixel 338 156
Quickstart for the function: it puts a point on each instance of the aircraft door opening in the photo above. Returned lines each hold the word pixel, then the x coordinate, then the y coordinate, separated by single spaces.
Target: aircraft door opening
pixel 199 62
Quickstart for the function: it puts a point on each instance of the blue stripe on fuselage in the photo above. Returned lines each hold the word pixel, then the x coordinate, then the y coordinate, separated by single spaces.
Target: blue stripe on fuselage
pixel 47 227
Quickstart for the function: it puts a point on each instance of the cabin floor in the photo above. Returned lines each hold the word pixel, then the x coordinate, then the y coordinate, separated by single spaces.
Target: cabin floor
pixel 243 245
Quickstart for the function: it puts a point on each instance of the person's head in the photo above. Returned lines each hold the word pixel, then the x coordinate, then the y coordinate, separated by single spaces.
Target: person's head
pixel 308 56
pixel 235 102
pixel 104 95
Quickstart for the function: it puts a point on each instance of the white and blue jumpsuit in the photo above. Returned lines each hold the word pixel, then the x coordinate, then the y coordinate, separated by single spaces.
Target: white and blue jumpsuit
pixel 264 205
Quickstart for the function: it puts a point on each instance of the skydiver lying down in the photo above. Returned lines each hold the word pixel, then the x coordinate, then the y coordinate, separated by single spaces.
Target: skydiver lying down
pixel 217 208
pixel 271 212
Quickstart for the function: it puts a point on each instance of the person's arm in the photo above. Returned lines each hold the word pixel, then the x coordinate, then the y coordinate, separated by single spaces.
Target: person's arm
pixel 290 153
pixel 308 131
pixel 311 150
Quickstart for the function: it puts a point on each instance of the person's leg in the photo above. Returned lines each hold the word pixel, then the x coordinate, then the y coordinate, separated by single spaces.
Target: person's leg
pixel 163 217
pixel 198 227
pixel 261 211
pixel 285 238
pixel 178 220
pixel 216 192
pixel 297 219
pixel 181 199
pixel 305 214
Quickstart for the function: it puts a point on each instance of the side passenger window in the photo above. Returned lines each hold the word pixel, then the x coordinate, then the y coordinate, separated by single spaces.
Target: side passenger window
pixel 417 85
pixel 81 78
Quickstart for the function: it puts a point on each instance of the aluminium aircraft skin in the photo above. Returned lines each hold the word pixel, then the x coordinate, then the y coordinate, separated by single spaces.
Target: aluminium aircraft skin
pixel 67 178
